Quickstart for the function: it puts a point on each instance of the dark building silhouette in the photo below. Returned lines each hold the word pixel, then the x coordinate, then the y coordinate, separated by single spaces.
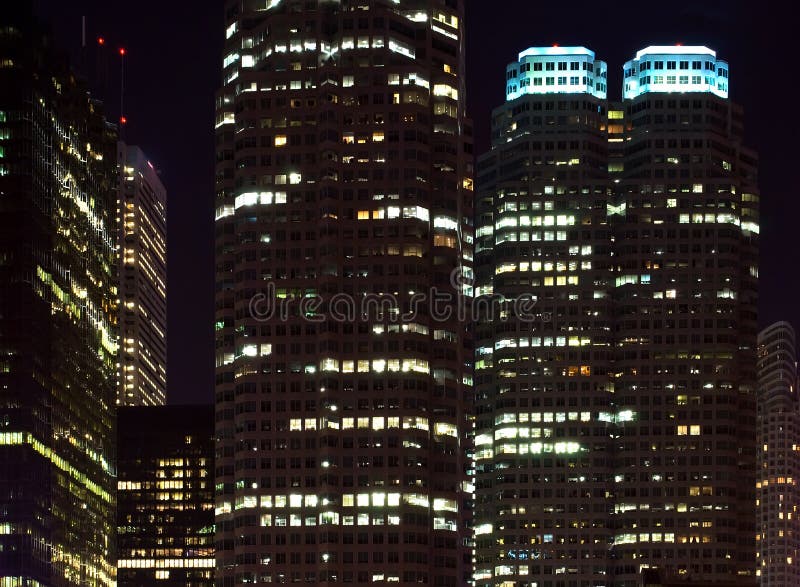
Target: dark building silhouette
pixel 165 496
pixel 343 179
pixel 58 304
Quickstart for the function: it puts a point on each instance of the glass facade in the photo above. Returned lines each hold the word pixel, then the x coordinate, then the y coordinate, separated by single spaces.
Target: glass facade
pixel 58 302
pixel 344 193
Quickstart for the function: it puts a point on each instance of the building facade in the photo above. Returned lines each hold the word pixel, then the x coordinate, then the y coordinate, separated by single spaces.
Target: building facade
pixel 344 193
pixel 543 380
pixel 58 303
pixel 685 225
pixel 142 280
pixel 165 496
pixel 777 492
pixel 646 312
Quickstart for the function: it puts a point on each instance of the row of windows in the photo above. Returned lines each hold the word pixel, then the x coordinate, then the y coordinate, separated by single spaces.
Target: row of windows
pixel 552 66
pixel 550 81
pixel 671 79
pixel 361 577
pixel 683 65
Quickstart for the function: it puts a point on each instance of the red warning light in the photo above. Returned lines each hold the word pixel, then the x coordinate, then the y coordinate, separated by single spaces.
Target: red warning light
pixel 679 44
pixel 101 41
pixel 555 44
pixel 122 51
pixel 123 120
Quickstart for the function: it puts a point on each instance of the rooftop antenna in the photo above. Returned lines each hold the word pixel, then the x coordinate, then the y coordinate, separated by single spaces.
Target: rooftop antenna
pixel 83 60
pixel 101 65
pixel 122 119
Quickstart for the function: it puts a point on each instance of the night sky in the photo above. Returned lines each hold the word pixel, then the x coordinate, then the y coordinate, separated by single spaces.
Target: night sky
pixel 172 68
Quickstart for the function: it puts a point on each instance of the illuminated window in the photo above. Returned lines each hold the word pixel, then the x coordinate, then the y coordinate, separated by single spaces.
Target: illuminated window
pixel 440 240
pixel 445 90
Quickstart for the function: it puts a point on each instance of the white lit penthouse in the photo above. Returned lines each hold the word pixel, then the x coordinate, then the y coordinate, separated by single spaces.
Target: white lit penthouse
pixel 551 70
pixel 675 69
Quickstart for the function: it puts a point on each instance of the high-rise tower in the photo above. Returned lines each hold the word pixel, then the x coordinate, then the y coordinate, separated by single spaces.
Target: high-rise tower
pixel 142 280
pixel 544 395
pixel 778 481
pixel 615 422
pixel 58 301
pixel 685 228
pixel 344 197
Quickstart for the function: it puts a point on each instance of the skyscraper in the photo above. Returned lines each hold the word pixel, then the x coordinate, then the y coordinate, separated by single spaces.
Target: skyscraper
pixel 777 492
pixel 165 497
pixel 58 301
pixel 344 193
pixel 628 396
pixel 685 228
pixel 142 280
pixel 543 382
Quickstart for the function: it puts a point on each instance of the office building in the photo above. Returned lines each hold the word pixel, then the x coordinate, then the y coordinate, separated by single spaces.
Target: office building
pixel 685 224
pixel 777 492
pixel 344 193
pixel 58 337
pixel 628 407
pixel 543 382
pixel 165 496
pixel 142 280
